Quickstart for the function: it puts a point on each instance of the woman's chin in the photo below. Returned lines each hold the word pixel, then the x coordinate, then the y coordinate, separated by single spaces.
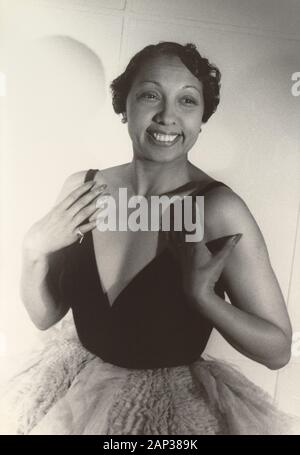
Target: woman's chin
pixel 161 154
pixel 160 157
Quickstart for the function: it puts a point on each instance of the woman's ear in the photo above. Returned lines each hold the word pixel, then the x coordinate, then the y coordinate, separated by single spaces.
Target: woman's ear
pixel 124 119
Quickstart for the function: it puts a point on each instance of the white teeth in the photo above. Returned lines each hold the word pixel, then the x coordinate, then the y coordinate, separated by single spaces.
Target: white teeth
pixel 165 137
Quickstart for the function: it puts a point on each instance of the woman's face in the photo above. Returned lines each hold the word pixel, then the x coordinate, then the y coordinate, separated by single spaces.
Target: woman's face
pixel 164 110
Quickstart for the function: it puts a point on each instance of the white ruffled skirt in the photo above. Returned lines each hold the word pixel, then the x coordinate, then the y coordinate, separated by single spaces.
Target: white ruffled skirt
pixel 65 390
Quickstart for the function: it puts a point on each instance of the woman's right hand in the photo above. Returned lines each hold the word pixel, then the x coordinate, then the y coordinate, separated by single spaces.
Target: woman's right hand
pixel 57 229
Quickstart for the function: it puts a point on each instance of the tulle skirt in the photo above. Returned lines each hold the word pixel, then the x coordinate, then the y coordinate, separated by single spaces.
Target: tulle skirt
pixel 65 390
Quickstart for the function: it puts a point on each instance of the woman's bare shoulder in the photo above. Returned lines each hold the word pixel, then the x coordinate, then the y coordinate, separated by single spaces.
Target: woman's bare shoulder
pixel 77 178
pixel 112 176
pixel 227 213
pixel 222 200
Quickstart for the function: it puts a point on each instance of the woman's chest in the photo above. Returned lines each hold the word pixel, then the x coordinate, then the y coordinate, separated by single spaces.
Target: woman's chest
pixel 120 256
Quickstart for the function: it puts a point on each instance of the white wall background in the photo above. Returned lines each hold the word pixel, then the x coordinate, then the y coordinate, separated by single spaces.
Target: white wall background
pixel 60 58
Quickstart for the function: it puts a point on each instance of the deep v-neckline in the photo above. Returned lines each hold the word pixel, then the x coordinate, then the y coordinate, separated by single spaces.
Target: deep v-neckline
pixel 165 250
pixel 144 269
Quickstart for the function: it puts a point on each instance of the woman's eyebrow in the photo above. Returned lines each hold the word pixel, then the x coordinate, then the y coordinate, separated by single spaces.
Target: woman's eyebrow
pixel 149 82
pixel 157 83
pixel 192 86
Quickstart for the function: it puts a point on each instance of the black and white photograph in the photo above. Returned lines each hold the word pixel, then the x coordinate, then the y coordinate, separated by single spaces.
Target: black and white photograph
pixel 150 228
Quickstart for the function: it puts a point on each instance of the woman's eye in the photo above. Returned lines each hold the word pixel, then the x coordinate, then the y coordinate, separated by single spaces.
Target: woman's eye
pixel 149 96
pixel 189 101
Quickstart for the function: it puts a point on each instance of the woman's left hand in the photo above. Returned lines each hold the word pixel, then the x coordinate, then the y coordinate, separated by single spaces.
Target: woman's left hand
pixel 200 268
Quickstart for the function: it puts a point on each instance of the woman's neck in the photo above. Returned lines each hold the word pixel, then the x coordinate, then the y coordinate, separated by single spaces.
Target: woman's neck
pixel 149 178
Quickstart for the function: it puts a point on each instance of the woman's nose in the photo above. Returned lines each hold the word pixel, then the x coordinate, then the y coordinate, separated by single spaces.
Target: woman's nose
pixel 166 114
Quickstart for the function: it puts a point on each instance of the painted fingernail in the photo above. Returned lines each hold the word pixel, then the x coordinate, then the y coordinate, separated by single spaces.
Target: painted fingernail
pixel 235 238
pixel 99 189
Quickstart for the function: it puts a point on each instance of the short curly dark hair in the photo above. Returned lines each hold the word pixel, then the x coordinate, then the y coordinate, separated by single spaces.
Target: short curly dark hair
pixel 199 66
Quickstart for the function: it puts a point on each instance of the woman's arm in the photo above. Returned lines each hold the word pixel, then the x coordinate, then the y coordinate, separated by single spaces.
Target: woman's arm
pixel 42 301
pixel 257 323
pixel 40 266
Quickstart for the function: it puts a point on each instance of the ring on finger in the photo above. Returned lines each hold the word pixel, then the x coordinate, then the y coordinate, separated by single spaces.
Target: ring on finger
pixel 79 234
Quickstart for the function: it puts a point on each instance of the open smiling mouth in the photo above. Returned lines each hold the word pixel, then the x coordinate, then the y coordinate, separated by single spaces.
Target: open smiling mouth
pixel 163 140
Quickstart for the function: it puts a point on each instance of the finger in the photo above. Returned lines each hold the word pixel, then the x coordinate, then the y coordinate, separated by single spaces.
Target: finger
pixel 84 228
pixel 97 212
pixel 201 253
pixel 86 199
pixel 75 194
pixel 227 249
pixel 69 200
pixel 88 210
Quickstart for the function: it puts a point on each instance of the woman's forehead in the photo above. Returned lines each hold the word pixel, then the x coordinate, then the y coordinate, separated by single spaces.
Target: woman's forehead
pixel 165 69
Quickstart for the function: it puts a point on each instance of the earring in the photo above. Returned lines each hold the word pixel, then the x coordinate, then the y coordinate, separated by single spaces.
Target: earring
pixel 124 119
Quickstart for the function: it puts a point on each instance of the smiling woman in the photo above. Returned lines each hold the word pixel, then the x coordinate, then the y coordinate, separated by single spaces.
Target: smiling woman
pixel 162 83
pixel 153 105
pixel 144 303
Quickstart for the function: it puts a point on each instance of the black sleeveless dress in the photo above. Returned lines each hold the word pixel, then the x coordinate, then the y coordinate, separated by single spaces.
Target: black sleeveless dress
pixel 150 324
pixel 136 367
